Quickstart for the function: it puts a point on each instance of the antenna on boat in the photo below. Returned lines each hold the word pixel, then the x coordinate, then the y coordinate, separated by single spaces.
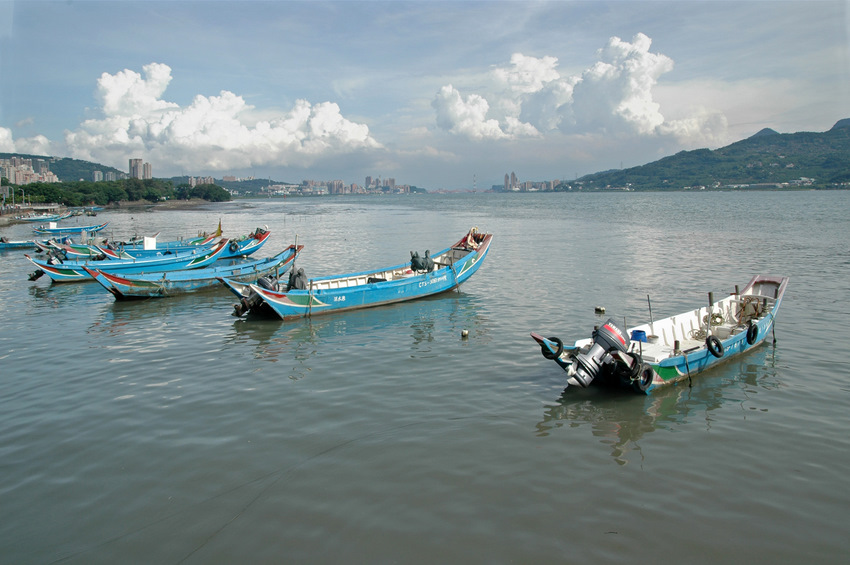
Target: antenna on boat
pixel 651 326
pixel 710 308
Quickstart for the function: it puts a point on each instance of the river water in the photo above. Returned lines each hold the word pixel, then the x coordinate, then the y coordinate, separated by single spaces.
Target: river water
pixel 168 431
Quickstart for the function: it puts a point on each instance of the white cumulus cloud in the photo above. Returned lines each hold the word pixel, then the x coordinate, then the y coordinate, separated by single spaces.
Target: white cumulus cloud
pixel 211 133
pixel 530 97
pixel 465 116
pixel 7 143
pixel 36 145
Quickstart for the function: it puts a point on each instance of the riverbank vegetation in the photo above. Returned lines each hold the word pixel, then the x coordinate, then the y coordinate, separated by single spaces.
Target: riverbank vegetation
pixel 102 193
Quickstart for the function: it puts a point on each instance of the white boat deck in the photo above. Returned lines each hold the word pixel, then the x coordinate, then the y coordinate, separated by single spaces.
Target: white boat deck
pixel 729 317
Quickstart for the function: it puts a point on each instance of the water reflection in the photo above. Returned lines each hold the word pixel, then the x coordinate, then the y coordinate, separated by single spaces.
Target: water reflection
pixel 428 320
pixel 184 312
pixel 54 295
pixel 621 419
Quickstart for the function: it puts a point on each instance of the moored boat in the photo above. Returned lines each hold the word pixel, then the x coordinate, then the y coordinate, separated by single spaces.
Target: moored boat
pixel 169 283
pixel 423 276
pixel 38 246
pixel 44 217
pixel 52 229
pixel 6 244
pixel 675 348
pixel 74 271
pixel 241 247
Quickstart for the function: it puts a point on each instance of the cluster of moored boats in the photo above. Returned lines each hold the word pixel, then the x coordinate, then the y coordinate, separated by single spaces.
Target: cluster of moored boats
pixel 147 268
pixel 642 357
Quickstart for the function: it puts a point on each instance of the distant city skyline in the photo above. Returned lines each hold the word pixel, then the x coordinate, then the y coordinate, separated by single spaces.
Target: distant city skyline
pixel 442 95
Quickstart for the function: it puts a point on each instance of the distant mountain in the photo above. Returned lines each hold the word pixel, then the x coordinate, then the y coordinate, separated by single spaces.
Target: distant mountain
pixel 765 160
pixel 765 131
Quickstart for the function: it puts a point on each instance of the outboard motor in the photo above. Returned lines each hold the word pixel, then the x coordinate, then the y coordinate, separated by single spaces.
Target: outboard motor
pixel 267 282
pixel 416 262
pixel 429 263
pixel 297 280
pixel 610 345
pixel 421 264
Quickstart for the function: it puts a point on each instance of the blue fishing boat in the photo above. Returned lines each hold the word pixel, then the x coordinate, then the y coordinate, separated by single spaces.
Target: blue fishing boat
pixel 8 245
pixel 55 230
pixel 423 276
pixel 44 217
pixel 672 349
pixel 75 271
pixel 241 247
pixel 169 283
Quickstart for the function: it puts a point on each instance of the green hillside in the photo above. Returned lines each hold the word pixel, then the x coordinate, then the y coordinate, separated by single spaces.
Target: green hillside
pixel 765 160
pixel 68 169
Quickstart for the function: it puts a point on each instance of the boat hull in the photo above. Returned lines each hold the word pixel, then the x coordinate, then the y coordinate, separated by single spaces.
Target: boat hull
pixel 9 245
pixel 66 230
pixel 355 291
pixel 76 271
pixel 156 285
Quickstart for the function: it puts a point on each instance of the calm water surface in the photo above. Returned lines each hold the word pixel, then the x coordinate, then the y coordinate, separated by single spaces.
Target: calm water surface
pixel 168 431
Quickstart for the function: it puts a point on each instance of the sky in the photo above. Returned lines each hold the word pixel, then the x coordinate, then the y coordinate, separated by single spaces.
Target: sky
pixel 437 94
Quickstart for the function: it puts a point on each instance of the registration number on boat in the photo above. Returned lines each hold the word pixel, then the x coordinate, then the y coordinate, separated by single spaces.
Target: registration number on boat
pixel 432 281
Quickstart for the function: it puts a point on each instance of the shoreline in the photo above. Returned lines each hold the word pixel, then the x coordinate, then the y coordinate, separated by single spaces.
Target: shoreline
pixel 9 219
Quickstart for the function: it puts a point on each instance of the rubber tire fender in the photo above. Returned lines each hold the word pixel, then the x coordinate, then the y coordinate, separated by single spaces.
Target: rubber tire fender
pixel 548 354
pixel 644 380
pixel 234 247
pixel 714 346
pixel 752 333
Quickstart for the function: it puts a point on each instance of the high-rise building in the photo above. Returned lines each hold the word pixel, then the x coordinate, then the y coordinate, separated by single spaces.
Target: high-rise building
pixel 147 171
pixel 135 168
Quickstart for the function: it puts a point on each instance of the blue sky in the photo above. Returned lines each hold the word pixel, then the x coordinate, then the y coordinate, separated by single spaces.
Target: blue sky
pixel 436 94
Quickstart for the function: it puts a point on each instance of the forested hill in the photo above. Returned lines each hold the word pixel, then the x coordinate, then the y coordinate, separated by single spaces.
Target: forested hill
pixel 68 169
pixel 766 160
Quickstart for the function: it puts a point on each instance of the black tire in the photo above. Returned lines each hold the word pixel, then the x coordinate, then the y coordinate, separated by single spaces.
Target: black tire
pixel 752 333
pixel 644 380
pixel 548 354
pixel 714 346
pixel 234 247
pixel 266 282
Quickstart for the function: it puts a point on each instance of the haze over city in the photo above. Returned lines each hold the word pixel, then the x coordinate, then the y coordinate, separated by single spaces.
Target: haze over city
pixel 435 94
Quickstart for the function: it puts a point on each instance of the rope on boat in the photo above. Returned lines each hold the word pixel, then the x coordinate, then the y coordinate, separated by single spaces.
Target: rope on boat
pixel 688 367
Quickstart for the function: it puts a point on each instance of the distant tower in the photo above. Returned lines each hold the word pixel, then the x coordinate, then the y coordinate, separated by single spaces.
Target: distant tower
pixel 507 180
pixel 135 168
pixel 513 180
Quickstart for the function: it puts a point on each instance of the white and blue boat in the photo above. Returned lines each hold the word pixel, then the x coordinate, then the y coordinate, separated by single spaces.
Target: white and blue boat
pixel 672 349
pixel 423 276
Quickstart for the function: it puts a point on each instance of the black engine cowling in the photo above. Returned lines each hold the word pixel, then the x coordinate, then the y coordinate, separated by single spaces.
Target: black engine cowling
pixel 610 345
